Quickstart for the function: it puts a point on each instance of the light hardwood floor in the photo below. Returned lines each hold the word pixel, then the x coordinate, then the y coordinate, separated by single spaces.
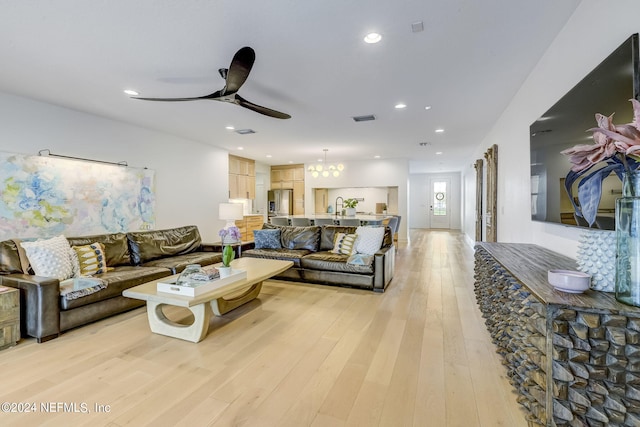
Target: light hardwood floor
pixel 300 355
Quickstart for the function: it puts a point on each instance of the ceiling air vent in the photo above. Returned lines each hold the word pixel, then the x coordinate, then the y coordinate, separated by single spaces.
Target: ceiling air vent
pixel 245 131
pixel 417 27
pixel 364 118
pixel 424 144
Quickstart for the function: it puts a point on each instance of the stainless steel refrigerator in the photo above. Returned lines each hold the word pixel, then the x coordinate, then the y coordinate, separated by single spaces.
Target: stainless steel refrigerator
pixel 280 202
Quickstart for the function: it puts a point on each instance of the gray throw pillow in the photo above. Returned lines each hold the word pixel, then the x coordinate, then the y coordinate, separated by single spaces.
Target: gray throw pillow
pixel 267 239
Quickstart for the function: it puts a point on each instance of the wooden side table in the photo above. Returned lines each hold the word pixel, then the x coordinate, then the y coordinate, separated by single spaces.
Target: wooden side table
pixel 9 317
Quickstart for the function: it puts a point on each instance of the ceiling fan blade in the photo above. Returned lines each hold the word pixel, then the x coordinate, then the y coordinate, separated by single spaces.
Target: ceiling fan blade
pixel 195 98
pixel 168 99
pixel 239 69
pixel 259 109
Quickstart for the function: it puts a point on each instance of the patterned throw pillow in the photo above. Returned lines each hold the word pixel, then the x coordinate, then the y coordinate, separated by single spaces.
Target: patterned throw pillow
pixel 369 239
pixel 50 258
pixel 267 239
pixel 344 243
pixel 91 259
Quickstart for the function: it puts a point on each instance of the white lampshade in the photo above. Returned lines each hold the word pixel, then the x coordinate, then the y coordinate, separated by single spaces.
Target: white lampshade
pixel 230 211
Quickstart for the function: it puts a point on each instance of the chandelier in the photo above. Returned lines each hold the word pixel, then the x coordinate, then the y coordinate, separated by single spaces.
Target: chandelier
pixel 324 169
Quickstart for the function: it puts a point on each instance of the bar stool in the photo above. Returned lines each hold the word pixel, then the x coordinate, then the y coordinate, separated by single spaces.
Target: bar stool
pixel 323 221
pixel 349 222
pixel 279 221
pixel 300 222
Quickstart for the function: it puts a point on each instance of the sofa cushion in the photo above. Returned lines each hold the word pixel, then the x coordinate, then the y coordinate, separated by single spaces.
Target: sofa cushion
pixel 369 239
pixel 267 239
pixel 116 248
pixel 149 245
pixel 293 255
pixel 177 263
pixel 328 235
pixel 329 261
pixel 10 258
pixel 120 278
pixel 298 237
pixel 50 257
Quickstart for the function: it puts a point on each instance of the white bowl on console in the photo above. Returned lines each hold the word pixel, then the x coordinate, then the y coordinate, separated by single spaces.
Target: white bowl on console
pixel 574 282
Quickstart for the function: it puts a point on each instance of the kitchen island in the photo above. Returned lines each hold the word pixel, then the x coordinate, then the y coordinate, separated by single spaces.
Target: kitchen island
pixel 365 219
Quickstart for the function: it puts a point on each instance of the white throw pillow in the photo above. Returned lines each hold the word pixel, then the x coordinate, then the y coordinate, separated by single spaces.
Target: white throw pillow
pixel 50 258
pixel 369 239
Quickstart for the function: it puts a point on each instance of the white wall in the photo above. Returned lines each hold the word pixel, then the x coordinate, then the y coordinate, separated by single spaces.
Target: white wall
pixel 590 35
pixel 191 178
pixel 378 173
pixel 420 199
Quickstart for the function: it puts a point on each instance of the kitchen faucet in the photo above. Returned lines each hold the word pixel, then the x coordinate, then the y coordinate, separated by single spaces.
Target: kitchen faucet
pixel 341 205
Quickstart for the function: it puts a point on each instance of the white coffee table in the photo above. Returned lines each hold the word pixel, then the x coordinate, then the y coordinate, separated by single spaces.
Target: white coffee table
pixel 218 301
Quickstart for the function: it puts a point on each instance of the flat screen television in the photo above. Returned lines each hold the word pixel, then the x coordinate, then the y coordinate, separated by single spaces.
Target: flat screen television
pixel 606 90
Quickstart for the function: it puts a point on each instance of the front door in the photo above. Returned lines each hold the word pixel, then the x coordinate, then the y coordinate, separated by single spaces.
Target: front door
pixel 440 208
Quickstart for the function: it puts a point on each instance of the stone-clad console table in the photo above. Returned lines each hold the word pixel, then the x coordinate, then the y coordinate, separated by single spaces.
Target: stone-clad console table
pixel 574 359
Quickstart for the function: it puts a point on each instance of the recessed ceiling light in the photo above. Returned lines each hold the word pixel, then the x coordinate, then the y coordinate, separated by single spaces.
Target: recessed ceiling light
pixel 376 156
pixel 428 107
pixel 372 38
pixel 438 152
pixel 439 130
pixel 229 128
pixel 131 92
pixel 401 106
pixel 269 156
pixel 240 148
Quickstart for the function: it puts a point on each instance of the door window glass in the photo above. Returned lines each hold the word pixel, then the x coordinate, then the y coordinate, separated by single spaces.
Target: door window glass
pixel 439 198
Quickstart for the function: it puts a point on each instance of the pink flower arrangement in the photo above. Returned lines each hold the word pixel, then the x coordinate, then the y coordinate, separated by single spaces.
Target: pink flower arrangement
pixel 618 146
pixel 609 140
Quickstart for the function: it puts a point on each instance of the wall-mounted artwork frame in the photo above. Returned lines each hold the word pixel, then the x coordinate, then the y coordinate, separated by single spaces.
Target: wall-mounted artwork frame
pixel 42 196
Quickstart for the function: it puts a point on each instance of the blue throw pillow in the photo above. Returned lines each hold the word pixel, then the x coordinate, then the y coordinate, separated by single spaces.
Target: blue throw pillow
pixel 267 239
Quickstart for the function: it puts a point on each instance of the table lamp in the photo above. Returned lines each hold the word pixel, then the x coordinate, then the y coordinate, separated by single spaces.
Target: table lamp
pixel 230 212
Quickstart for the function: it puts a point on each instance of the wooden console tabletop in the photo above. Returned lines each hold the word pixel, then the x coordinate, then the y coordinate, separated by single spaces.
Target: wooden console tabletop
pixel 530 263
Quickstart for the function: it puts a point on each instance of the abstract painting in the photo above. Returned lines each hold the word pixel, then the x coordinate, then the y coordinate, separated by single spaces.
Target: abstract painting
pixel 43 196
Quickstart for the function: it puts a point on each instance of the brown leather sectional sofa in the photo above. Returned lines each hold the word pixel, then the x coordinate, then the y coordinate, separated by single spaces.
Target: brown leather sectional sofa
pixel 135 257
pixel 310 250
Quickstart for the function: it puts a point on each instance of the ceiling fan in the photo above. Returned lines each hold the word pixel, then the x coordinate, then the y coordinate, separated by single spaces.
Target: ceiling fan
pixel 235 76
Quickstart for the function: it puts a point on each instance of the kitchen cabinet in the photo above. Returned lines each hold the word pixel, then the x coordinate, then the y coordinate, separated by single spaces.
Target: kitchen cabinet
pixel 247 224
pixel 288 177
pixel 242 178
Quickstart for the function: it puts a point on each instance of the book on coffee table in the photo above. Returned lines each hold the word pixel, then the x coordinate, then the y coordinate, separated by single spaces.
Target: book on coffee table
pixel 200 287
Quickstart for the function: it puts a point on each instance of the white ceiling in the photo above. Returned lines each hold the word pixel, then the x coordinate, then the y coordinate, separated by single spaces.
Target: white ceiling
pixel 311 62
